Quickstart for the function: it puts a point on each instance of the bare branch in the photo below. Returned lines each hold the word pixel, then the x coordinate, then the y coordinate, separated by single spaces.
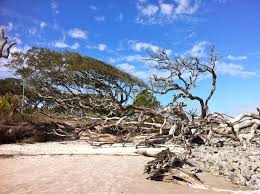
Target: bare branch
pixel 3 42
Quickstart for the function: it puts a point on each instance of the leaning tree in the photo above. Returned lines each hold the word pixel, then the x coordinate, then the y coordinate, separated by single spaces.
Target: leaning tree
pixel 75 82
pixel 70 84
pixel 181 75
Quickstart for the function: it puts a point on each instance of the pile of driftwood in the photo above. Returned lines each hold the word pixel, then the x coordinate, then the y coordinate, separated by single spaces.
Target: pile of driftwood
pixel 172 125
pixel 167 166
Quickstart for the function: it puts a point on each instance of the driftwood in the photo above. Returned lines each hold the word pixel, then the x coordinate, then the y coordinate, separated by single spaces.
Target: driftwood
pixel 243 127
pixel 3 42
pixel 167 166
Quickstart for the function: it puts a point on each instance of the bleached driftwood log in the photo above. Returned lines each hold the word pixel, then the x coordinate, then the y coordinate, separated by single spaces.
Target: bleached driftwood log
pixel 235 125
pixel 3 42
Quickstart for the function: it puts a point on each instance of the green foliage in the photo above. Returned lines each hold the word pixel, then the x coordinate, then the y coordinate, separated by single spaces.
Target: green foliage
pixel 10 86
pixel 14 86
pixel 8 105
pixel 69 80
pixel 146 99
pixel 61 67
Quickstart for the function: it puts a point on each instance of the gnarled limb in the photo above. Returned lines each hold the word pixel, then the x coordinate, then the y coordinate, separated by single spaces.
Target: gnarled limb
pixel 183 74
pixel 3 43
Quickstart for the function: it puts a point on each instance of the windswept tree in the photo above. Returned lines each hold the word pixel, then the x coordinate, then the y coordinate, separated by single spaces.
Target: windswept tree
pixel 75 82
pixel 3 43
pixel 182 74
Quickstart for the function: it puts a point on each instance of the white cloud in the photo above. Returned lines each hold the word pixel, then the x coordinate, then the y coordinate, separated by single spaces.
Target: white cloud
pixel 131 69
pixel 198 50
pixel 185 7
pixel 126 67
pixel 139 46
pixel 5 71
pixel 8 27
pixel 166 9
pixel 20 49
pixel 128 58
pixel 141 73
pixel 43 24
pixel 165 12
pixel 17 40
pixel 234 70
pixel 100 47
pixel 62 44
pixel 231 57
pixel 32 31
pixel 142 46
pixel 131 58
pixel 77 33
pixel 99 18
pixel 149 10
pixel 136 59
pixel 75 46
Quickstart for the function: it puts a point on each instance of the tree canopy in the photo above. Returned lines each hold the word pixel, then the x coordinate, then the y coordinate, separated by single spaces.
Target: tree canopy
pixel 74 81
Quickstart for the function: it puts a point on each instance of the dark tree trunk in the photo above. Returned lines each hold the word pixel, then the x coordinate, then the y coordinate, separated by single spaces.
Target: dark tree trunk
pixel 204 109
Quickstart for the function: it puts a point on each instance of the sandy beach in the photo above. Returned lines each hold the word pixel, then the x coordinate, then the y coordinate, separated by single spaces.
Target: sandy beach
pixel 65 168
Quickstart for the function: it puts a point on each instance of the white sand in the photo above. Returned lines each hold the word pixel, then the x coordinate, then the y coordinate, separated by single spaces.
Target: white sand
pixel 73 148
pixel 103 173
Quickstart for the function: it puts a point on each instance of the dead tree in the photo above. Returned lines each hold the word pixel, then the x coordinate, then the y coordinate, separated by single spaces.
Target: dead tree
pixel 182 75
pixel 3 42
pixel 223 125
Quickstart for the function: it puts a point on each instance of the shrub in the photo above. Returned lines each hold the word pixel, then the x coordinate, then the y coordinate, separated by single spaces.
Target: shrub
pixel 146 99
pixel 9 105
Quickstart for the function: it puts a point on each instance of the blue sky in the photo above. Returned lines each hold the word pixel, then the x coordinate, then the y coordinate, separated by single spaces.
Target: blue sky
pixel 120 31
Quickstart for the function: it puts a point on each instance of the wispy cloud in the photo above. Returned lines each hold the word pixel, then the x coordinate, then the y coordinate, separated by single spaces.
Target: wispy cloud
pixel 236 58
pixel 100 47
pixel 62 44
pixel 6 72
pixel 75 46
pixel 186 7
pixel 8 27
pixel 131 69
pixel 148 10
pixel 17 40
pixel 198 50
pixel 234 70
pixel 144 73
pixel 162 12
pixel 166 9
pixel 143 46
pixel 43 24
pixel 32 31
pixel 128 58
pixel 77 33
